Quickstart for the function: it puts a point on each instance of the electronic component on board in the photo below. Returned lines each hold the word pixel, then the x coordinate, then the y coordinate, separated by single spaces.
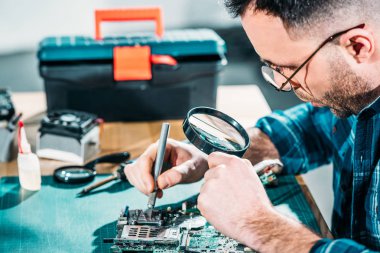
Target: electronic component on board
pixel 172 230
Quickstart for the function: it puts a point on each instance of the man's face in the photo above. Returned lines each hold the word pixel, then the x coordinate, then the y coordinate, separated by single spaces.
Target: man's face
pixel 326 80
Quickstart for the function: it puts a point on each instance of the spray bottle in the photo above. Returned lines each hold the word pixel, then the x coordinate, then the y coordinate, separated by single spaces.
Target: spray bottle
pixel 28 164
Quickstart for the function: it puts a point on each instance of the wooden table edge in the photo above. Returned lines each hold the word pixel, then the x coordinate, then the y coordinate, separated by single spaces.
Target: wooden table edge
pixel 325 231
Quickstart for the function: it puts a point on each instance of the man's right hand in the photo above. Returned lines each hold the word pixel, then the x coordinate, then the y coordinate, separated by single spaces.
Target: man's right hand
pixel 188 165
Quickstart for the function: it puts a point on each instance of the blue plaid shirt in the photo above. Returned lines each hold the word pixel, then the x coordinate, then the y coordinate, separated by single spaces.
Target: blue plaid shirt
pixel 307 137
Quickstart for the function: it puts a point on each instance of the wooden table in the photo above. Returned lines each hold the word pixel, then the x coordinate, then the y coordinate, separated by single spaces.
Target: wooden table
pixel 245 103
pixel 136 136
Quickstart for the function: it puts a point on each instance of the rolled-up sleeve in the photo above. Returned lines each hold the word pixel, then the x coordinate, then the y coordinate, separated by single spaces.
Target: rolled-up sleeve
pixel 302 135
pixel 339 245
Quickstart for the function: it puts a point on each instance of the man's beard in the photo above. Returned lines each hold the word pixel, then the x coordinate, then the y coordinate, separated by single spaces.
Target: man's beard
pixel 348 93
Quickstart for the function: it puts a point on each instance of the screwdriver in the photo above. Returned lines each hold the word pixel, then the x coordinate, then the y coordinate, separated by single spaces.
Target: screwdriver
pixel 159 163
pixel 117 175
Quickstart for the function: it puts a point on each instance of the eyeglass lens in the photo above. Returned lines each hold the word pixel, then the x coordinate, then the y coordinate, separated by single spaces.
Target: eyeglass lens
pixel 275 78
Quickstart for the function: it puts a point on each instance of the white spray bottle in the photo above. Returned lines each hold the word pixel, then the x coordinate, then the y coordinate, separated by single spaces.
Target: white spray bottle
pixel 28 164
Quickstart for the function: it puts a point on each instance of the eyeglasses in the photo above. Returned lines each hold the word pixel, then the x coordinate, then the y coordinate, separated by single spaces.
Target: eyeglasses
pixel 276 77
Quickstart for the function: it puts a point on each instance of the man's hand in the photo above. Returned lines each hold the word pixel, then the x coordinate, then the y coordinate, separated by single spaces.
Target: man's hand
pixel 261 148
pixel 232 195
pixel 234 201
pixel 188 165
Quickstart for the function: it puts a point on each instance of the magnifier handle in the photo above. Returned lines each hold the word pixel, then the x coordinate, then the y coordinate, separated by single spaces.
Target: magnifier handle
pixel 97 184
pixel 265 172
pixel 112 158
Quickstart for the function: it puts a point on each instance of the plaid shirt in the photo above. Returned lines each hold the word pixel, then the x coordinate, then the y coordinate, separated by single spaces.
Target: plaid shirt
pixel 307 137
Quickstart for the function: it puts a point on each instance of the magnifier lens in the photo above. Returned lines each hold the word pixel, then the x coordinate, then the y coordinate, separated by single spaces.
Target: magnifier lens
pixel 75 174
pixel 211 130
pixel 217 131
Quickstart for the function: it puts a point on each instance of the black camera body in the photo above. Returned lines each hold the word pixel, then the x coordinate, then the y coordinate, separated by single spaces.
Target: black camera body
pixel 7 110
pixel 7 127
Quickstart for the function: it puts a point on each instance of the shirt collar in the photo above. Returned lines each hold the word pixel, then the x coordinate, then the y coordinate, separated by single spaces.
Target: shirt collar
pixel 371 109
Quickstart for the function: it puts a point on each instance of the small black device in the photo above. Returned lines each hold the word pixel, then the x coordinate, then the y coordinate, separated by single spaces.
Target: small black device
pixel 8 123
pixel 68 135
pixel 7 110
pixel 211 130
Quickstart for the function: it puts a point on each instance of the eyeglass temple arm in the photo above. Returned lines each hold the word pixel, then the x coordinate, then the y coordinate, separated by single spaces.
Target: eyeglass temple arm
pixel 331 38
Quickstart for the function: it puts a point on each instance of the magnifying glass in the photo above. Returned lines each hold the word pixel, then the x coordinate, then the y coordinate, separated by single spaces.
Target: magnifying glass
pixel 211 130
pixel 86 173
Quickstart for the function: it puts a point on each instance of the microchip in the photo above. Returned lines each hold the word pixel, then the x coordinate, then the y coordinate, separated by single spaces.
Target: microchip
pixel 150 217
pixel 151 234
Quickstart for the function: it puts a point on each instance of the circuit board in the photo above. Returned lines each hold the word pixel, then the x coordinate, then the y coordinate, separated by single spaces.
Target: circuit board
pixel 171 230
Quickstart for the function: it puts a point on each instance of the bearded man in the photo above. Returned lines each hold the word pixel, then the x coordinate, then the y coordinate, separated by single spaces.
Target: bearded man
pixel 328 53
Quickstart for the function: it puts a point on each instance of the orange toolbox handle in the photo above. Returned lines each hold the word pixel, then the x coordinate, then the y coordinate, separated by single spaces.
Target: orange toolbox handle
pixel 132 14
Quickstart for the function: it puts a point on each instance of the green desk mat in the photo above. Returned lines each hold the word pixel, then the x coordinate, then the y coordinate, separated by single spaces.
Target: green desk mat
pixel 55 220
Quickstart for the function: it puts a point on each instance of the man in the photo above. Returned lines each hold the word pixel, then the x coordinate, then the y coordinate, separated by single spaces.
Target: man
pixel 328 53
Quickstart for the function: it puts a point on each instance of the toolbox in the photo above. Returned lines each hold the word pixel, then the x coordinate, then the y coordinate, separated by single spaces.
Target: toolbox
pixel 137 77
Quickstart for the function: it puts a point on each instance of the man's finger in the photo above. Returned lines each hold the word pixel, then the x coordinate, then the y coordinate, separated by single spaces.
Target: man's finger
pixel 206 186
pixel 147 181
pixel 218 158
pixel 145 163
pixel 214 173
pixel 151 151
pixel 140 175
pixel 169 178
pixel 145 166
pixel 130 176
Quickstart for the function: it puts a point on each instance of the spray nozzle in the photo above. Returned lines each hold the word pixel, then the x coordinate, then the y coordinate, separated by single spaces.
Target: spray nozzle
pixel 23 144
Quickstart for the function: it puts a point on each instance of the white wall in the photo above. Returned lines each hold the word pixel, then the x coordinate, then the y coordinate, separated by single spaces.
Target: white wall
pixel 319 182
pixel 23 23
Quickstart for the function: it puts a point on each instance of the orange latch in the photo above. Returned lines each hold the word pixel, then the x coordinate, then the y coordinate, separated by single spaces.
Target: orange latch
pixel 164 59
pixel 132 63
pixel 135 62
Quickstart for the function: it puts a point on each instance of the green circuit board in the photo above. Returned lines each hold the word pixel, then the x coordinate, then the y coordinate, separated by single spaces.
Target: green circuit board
pixel 170 230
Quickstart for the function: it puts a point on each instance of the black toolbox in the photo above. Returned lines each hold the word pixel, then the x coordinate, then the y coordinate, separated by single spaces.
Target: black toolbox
pixel 138 77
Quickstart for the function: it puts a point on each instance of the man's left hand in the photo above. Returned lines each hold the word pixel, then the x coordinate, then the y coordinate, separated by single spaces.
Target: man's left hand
pixel 232 196
pixel 234 201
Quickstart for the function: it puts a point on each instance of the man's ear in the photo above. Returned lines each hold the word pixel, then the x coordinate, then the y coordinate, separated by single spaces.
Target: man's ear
pixel 359 43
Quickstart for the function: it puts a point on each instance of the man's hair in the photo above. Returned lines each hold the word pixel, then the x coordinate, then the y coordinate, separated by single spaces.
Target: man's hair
pixel 308 13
